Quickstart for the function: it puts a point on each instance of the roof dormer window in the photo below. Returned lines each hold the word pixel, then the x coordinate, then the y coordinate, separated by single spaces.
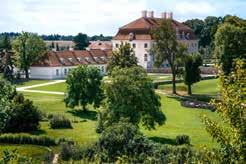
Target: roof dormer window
pixel 131 36
pixel 70 59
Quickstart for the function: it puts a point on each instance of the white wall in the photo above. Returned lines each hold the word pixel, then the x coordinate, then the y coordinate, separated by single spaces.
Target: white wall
pixel 140 51
pixel 57 72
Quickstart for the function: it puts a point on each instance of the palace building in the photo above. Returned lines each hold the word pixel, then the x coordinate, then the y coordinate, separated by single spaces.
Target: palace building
pixel 137 33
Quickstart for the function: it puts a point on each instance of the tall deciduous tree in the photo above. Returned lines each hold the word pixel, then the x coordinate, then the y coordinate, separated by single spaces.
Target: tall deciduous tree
pixel 130 94
pixel 123 57
pixel 232 108
pixel 6 58
pixel 192 71
pixel 230 43
pixel 81 41
pixel 28 48
pixel 7 92
pixel 167 48
pixel 84 87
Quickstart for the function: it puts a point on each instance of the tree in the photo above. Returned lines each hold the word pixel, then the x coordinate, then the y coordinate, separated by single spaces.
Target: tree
pixel 192 71
pixel 84 87
pixel 28 48
pixel 232 109
pixel 130 94
pixel 6 59
pixel 167 48
pixel 57 47
pixel 196 25
pixel 7 92
pixel 122 58
pixel 81 41
pixel 230 43
pixel 23 116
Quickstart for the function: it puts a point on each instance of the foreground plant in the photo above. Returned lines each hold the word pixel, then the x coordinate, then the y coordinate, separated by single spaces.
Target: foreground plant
pixel 232 108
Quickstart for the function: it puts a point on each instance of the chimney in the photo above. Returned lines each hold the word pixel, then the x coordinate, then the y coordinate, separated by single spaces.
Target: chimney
pixel 151 14
pixel 144 13
pixel 171 15
pixel 164 15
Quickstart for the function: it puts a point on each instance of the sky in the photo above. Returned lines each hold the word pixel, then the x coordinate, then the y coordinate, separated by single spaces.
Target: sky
pixel 69 17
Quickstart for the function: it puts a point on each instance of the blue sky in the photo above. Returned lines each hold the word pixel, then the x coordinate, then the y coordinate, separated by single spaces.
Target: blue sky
pixel 102 16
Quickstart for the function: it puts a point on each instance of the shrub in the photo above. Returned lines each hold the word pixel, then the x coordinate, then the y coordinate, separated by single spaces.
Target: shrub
pixel 182 139
pixel 27 139
pixel 66 151
pixel 59 122
pixel 23 116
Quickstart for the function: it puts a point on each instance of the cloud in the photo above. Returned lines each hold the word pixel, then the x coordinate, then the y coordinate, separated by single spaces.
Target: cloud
pixel 101 16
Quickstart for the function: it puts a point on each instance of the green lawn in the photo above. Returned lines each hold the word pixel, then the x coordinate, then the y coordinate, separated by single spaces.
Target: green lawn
pixel 31 82
pixel 35 152
pixel 204 87
pixel 59 87
pixel 62 87
pixel 180 120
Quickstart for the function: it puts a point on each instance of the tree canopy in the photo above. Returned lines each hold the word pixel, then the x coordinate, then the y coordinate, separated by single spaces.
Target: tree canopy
pixel 81 41
pixel 130 94
pixel 167 48
pixel 232 110
pixel 84 87
pixel 28 48
pixel 230 43
pixel 122 57
pixel 192 71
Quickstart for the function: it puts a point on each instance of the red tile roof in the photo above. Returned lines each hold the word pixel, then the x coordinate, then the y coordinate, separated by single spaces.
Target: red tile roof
pixel 103 45
pixel 73 58
pixel 141 29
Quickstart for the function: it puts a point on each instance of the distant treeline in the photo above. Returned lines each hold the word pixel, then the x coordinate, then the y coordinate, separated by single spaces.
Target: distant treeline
pixel 12 35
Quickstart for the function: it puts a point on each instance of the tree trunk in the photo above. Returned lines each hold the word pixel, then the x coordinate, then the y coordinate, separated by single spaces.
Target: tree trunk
pixel 27 73
pixel 174 80
pixel 189 89
pixel 84 108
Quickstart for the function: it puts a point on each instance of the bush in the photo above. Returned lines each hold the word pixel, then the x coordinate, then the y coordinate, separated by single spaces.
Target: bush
pixel 27 139
pixel 182 139
pixel 59 122
pixel 66 151
pixel 23 116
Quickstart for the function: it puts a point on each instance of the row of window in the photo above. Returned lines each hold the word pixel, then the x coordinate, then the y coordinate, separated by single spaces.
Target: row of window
pixel 67 70
pixel 134 45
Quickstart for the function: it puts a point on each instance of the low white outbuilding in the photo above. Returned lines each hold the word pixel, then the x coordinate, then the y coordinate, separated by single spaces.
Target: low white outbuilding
pixel 56 65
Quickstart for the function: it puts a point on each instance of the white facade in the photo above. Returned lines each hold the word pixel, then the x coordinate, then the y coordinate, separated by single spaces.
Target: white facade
pixel 142 48
pixel 57 72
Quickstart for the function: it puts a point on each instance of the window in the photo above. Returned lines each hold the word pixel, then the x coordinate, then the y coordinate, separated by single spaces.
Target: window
pixel 145 45
pixel 133 45
pixel 102 68
pixel 57 72
pixel 116 45
pixel 145 57
pixel 65 71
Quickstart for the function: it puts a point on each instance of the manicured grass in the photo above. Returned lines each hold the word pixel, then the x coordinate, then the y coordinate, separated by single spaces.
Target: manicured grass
pixel 35 152
pixel 31 82
pixel 204 87
pixel 159 76
pixel 59 87
pixel 180 120
pixel 62 87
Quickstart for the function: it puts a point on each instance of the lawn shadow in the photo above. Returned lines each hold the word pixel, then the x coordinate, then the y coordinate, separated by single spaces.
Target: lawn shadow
pixel 90 115
pixel 198 97
pixel 163 140
pixel 38 132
